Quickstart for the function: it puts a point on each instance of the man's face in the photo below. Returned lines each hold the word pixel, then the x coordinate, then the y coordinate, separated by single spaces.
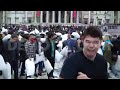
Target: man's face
pixel 31 37
pixel 54 37
pixel 91 46
pixel 38 38
pixel 14 39
pixel 69 35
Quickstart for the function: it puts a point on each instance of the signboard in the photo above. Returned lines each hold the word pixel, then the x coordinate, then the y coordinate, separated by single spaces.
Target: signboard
pixel 111 29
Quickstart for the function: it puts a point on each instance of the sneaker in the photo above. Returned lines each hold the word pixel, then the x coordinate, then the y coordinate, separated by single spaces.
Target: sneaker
pixel 40 74
pixel 51 78
pixel 22 74
pixel 36 75
pixel 0 72
pixel 28 77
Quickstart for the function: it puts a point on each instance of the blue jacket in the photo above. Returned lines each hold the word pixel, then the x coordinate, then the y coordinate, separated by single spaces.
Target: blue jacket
pixel 71 44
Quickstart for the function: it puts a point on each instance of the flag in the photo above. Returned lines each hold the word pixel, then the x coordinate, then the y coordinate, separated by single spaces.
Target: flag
pixel 74 13
pixel 38 13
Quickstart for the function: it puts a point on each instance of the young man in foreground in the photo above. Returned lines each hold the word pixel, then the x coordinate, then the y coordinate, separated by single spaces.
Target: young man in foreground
pixel 86 64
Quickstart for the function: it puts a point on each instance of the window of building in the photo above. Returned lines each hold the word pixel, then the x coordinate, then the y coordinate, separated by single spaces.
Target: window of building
pixel 8 11
pixel 44 16
pixel 19 11
pixel 74 16
pixel 29 11
pixel 85 20
pixel 99 21
pixel 16 20
pixel 92 11
pixel 29 19
pixel 68 16
pixel 23 20
pixel 56 16
pixel 9 20
pixel 91 20
pixel 80 20
pixel 109 27
pixel 50 16
pixel 107 20
pixel 62 16
pixel 38 19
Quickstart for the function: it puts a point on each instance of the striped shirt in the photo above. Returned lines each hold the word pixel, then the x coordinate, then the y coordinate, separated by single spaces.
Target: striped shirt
pixel 30 49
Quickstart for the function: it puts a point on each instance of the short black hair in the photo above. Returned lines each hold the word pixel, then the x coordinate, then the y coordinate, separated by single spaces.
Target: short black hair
pixel 93 32
pixel 26 36
pixel 14 36
pixel 32 34
pixel 50 34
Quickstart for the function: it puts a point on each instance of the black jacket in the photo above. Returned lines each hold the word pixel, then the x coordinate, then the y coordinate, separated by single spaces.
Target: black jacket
pixel 10 54
pixel 1 46
pixel 48 48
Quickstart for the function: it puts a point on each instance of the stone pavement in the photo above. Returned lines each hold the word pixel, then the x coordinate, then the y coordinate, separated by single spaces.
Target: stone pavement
pixel 44 76
pixel 57 69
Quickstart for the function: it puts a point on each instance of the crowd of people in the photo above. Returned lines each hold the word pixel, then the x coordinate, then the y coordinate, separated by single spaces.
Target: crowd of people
pixel 88 55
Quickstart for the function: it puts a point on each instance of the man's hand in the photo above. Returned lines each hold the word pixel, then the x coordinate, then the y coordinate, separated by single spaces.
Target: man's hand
pixel 82 76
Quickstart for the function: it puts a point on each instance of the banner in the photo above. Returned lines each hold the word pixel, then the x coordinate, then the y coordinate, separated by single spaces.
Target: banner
pixel 74 13
pixel 38 13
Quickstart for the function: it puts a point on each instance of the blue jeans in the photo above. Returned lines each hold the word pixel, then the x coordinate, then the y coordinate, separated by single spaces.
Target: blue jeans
pixel 41 65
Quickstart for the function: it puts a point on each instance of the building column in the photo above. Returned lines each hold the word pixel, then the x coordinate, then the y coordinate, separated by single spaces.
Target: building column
pixel 59 16
pixel 4 16
pixel 77 17
pixel 41 16
pixel 96 19
pixel 47 16
pixel 53 16
pixel 118 17
pixel 35 17
pixel 26 21
pixel 89 17
pixel 65 17
pixel 82 16
pixel 94 23
pixel 32 16
pixel 15 17
pixel 71 17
